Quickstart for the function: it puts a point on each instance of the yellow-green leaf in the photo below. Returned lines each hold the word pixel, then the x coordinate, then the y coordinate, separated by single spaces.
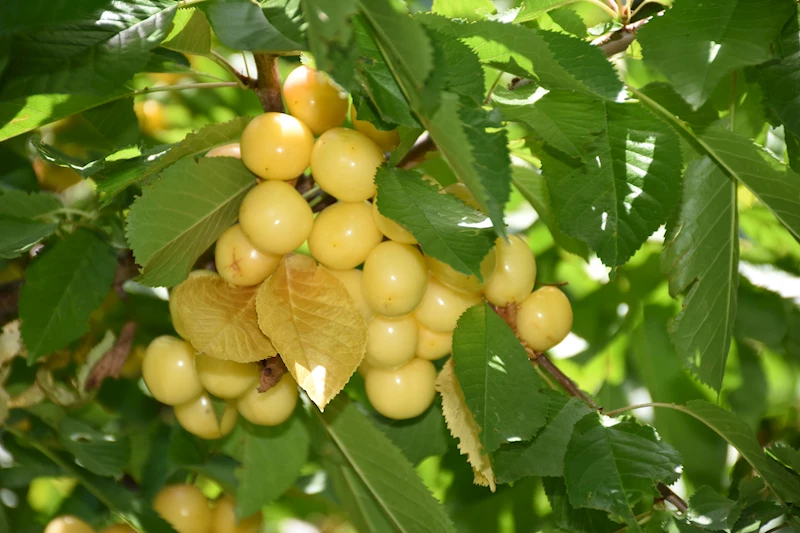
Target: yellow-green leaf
pixel 220 320
pixel 314 324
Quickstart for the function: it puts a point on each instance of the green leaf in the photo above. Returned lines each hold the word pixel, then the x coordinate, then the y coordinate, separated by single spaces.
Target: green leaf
pixel 458 71
pixel 566 121
pixel 611 467
pixel 500 386
pixel 385 480
pixel 102 453
pixel 701 258
pixel 554 60
pixel 181 214
pixel 62 288
pixel 95 54
pixel 544 455
pixel 624 190
pixel 710 510
pixel 329 37
pixel 403 42
pixel 739 435
pixel 530 183
pixel 445 227
pixel 466 9
pixel 21 16
pixel 533 9
pixel 571 519
pixel 242 25
pixel 419 437
pixel 787 455
pixel 190 33
pixel 660 368
pixel 116 179
pixel 271 461
pixel 20 234
pixel 716 38
pixel 479 158
pixel 105 128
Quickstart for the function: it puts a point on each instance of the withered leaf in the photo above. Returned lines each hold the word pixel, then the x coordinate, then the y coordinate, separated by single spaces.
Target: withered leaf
pixel 220 319
pixel 314 324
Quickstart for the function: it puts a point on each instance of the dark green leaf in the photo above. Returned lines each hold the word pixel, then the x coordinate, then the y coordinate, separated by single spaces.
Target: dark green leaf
pixel 530 183
pixel 382 479
pixel 787 455
pixel 660 369
pixel 544 455
pixel 95 54
pixel 500 386
pixel 710 510
pixel 445 227
pixel 555 60
pixel 458 70
pixel 329 36
pixel 701 256
pixel 190 33
pixel 571 519
pixel 242 25
pixel 479 158
pixel 62 288
pixel 271 461
pixel 624 190
pixel 20 234
pixel 181 214
pixel 116 179
pixel 611 467
pixel 105 128
pixel 707 52
pixel 419 437
pixel 20 16
pixel 101 453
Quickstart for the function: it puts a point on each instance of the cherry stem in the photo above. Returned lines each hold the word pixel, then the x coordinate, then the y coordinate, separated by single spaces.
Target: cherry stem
pixel 268 83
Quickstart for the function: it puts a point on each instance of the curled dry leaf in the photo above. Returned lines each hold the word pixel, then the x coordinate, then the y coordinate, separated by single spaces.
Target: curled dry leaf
pixel 220 320
pixel 463 426
pixel 272 370
pixel 112 361
pixel 10 342
pixel 315 325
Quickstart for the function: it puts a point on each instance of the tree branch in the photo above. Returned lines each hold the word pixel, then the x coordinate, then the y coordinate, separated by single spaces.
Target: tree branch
pixel 268 83
pixel 416 155
pixel 620 40
pixel 672 498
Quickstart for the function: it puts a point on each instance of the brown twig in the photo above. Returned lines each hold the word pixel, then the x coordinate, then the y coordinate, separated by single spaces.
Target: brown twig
pixel 619 41
pixel 9 300
pixel 245 80
pixel 268 84
pixel 110 365
pixel 672 498
pixel 272 370
pixel 416 155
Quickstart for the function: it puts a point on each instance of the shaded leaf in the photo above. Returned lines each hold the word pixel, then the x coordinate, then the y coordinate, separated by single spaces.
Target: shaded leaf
pixel 180 215
pixel 242 25
pixel 710 510
pixel 701 256
pixel 571 519
pixel 463 427
pixel 63 286
pixel 419 437
pixel 220 319
pixel 445 227
pixel 19 204
pixel 102 453
pixel 500 387
pixel 314 324
pixel 19 16
pixel 21 234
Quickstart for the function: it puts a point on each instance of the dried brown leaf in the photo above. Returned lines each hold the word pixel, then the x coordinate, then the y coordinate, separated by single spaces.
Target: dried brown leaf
pixel 272 370
pixel 462 426
pixel 220 320
pixel 10 342
pixel 111 363
pixel 315 325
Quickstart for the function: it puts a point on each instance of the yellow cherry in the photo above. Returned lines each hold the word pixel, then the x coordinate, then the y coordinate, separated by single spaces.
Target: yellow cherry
pixel 184 507
pixel 404 392
pixel 432 345
pixel 391 342
pixel 387 140
pixel 344 163
pixel 275 217
pixel 395 277
pixel 68 524
pixel 351 279
pixel 460 281
pixel 442 306
pixel 226 150
pixel 270 408
pixel 276 146
pixel 314 99
pixel 544 318
pixel 224 378
pixel 239 262
pixel 223 518
pixel 514 274
pixel 118 528
pixel 198 418
pixel 390 228
pixel 168 371
pixel 343 235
